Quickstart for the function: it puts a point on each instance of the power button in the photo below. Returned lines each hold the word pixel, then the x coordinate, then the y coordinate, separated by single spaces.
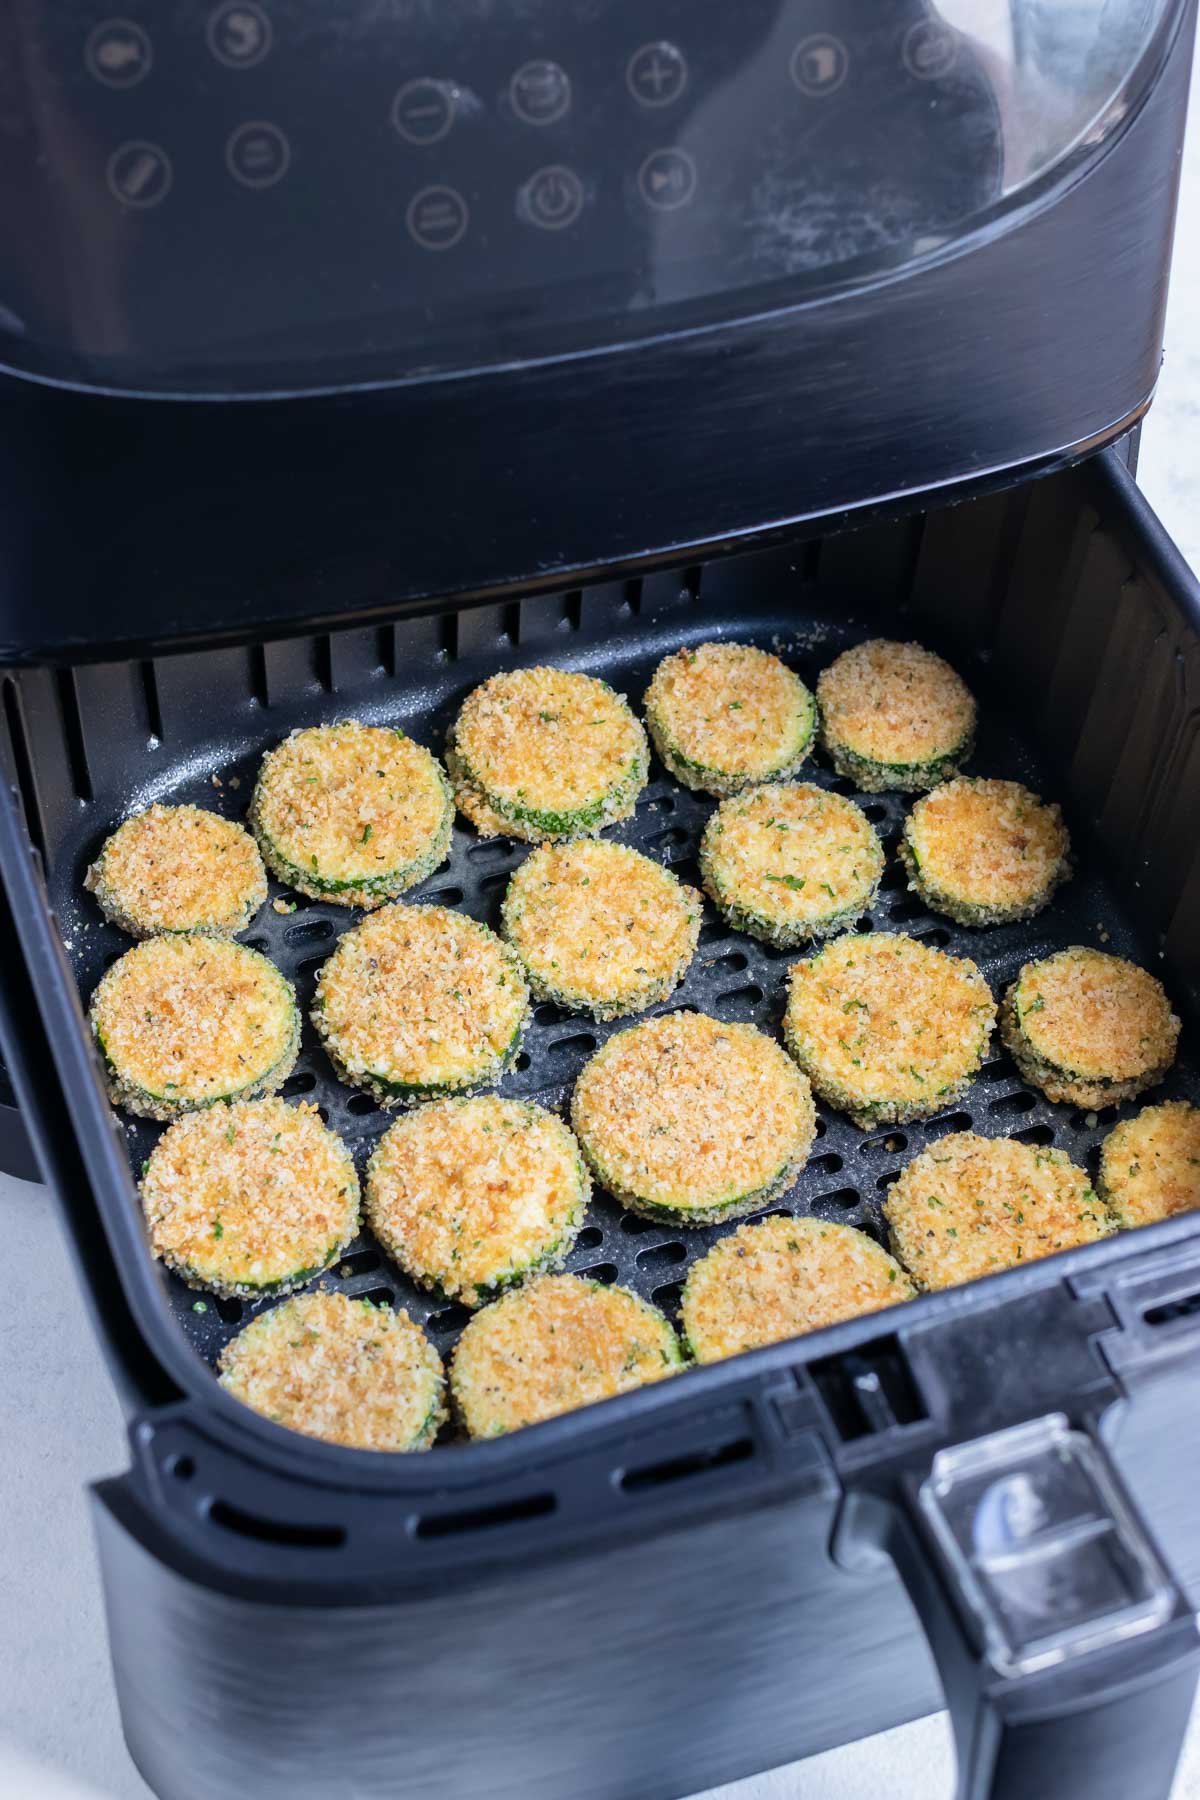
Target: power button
pixel 552 199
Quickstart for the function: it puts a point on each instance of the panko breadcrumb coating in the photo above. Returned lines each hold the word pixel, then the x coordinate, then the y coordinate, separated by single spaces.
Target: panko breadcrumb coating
pixel 894 716
pixel 344 1370
pixel 1150 1165
pixel 470 1196
pixel 985 852
pixel 185 1020
pixel 724 717
pixel 684 1118
pixel 557 1343
pixel 179 868
pixel 251 1198
pixel 352 813
pixel 546 753
pixel 791 862
pixel 886 1028
pixel 970 1205
pixel 418 1001
pixel 1089 1028
pixel 781 1277
pixel 600 928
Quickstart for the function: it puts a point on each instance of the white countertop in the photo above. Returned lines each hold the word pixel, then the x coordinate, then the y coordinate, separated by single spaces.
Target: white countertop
pixel 60 1426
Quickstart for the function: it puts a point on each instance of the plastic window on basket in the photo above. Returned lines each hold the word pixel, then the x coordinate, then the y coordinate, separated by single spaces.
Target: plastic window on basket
pixel 1043 1545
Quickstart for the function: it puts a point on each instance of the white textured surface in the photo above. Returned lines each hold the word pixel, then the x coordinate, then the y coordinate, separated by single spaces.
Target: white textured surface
pixel 59 1736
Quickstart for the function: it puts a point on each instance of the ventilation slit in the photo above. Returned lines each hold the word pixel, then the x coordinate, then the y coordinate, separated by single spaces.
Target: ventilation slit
pixel 916 539
pixel 149 675
pixel 683 1468
pixel 23 769
pixel 1172 1310
pixel 257 658
pixel 72 718
pixel 485 1518
pixel 275 1531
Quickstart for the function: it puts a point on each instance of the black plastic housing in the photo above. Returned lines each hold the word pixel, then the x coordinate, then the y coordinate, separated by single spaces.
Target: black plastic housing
pixel 1031 340
pixel 522 1616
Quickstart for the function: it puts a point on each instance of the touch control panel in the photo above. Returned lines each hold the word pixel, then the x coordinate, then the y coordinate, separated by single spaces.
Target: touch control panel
pixel 263 185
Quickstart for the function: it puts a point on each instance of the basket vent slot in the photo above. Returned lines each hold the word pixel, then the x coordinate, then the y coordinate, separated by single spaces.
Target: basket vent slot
pixel 485 1518
pixel 683 1468
pixel 359 1262
pixel 259 690
pixel 451 1318
pixel 604 1271
pixel 662 1257
pixel 23 769
pixel 149 675
pixel 1170 1311
pixel 275 1531
pixel 310 931
pixel 72 719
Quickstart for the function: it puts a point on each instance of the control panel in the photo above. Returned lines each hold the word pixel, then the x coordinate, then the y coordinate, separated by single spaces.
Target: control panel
pixel 271 185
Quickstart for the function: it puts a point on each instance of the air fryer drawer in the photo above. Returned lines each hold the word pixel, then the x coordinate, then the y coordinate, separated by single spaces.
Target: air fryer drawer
pixel 664 1557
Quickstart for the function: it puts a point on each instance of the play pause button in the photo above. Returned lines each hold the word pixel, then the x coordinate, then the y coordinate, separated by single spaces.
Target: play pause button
pixel 667 179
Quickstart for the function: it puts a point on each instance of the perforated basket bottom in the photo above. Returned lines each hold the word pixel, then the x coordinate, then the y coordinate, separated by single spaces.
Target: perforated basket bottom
pixel 734 977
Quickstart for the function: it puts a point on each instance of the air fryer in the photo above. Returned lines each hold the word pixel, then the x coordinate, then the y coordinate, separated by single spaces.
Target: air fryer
pixel 353 354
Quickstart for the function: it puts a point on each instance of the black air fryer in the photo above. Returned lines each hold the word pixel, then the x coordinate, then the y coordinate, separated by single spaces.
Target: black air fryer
pixel 354 352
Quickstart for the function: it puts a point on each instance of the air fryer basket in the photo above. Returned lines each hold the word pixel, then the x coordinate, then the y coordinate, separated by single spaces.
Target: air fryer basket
pixel 1073 621
pixel 416 674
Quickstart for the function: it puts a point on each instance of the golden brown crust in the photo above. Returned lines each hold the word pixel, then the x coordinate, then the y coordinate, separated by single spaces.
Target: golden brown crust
pixel 556 1344
pixel 684 1117
pixel 179 868
pixel 780 1278
pixel 894 715
pixel 339 1369
pixel 985 852
pixel 550 752
pixel 250 1198
pixel 969 1205
pixel 887 1028
pixel 186 1020
pixel 791 862
pixel 725 716
pixel 1150 1165
pixel 352 813
pixel 1089 1028
pixel 418 1000
pixel 600 928
pixel 468 1196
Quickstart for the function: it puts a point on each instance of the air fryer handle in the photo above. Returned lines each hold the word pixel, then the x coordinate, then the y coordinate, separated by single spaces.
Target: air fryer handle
pixel 1067 1653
